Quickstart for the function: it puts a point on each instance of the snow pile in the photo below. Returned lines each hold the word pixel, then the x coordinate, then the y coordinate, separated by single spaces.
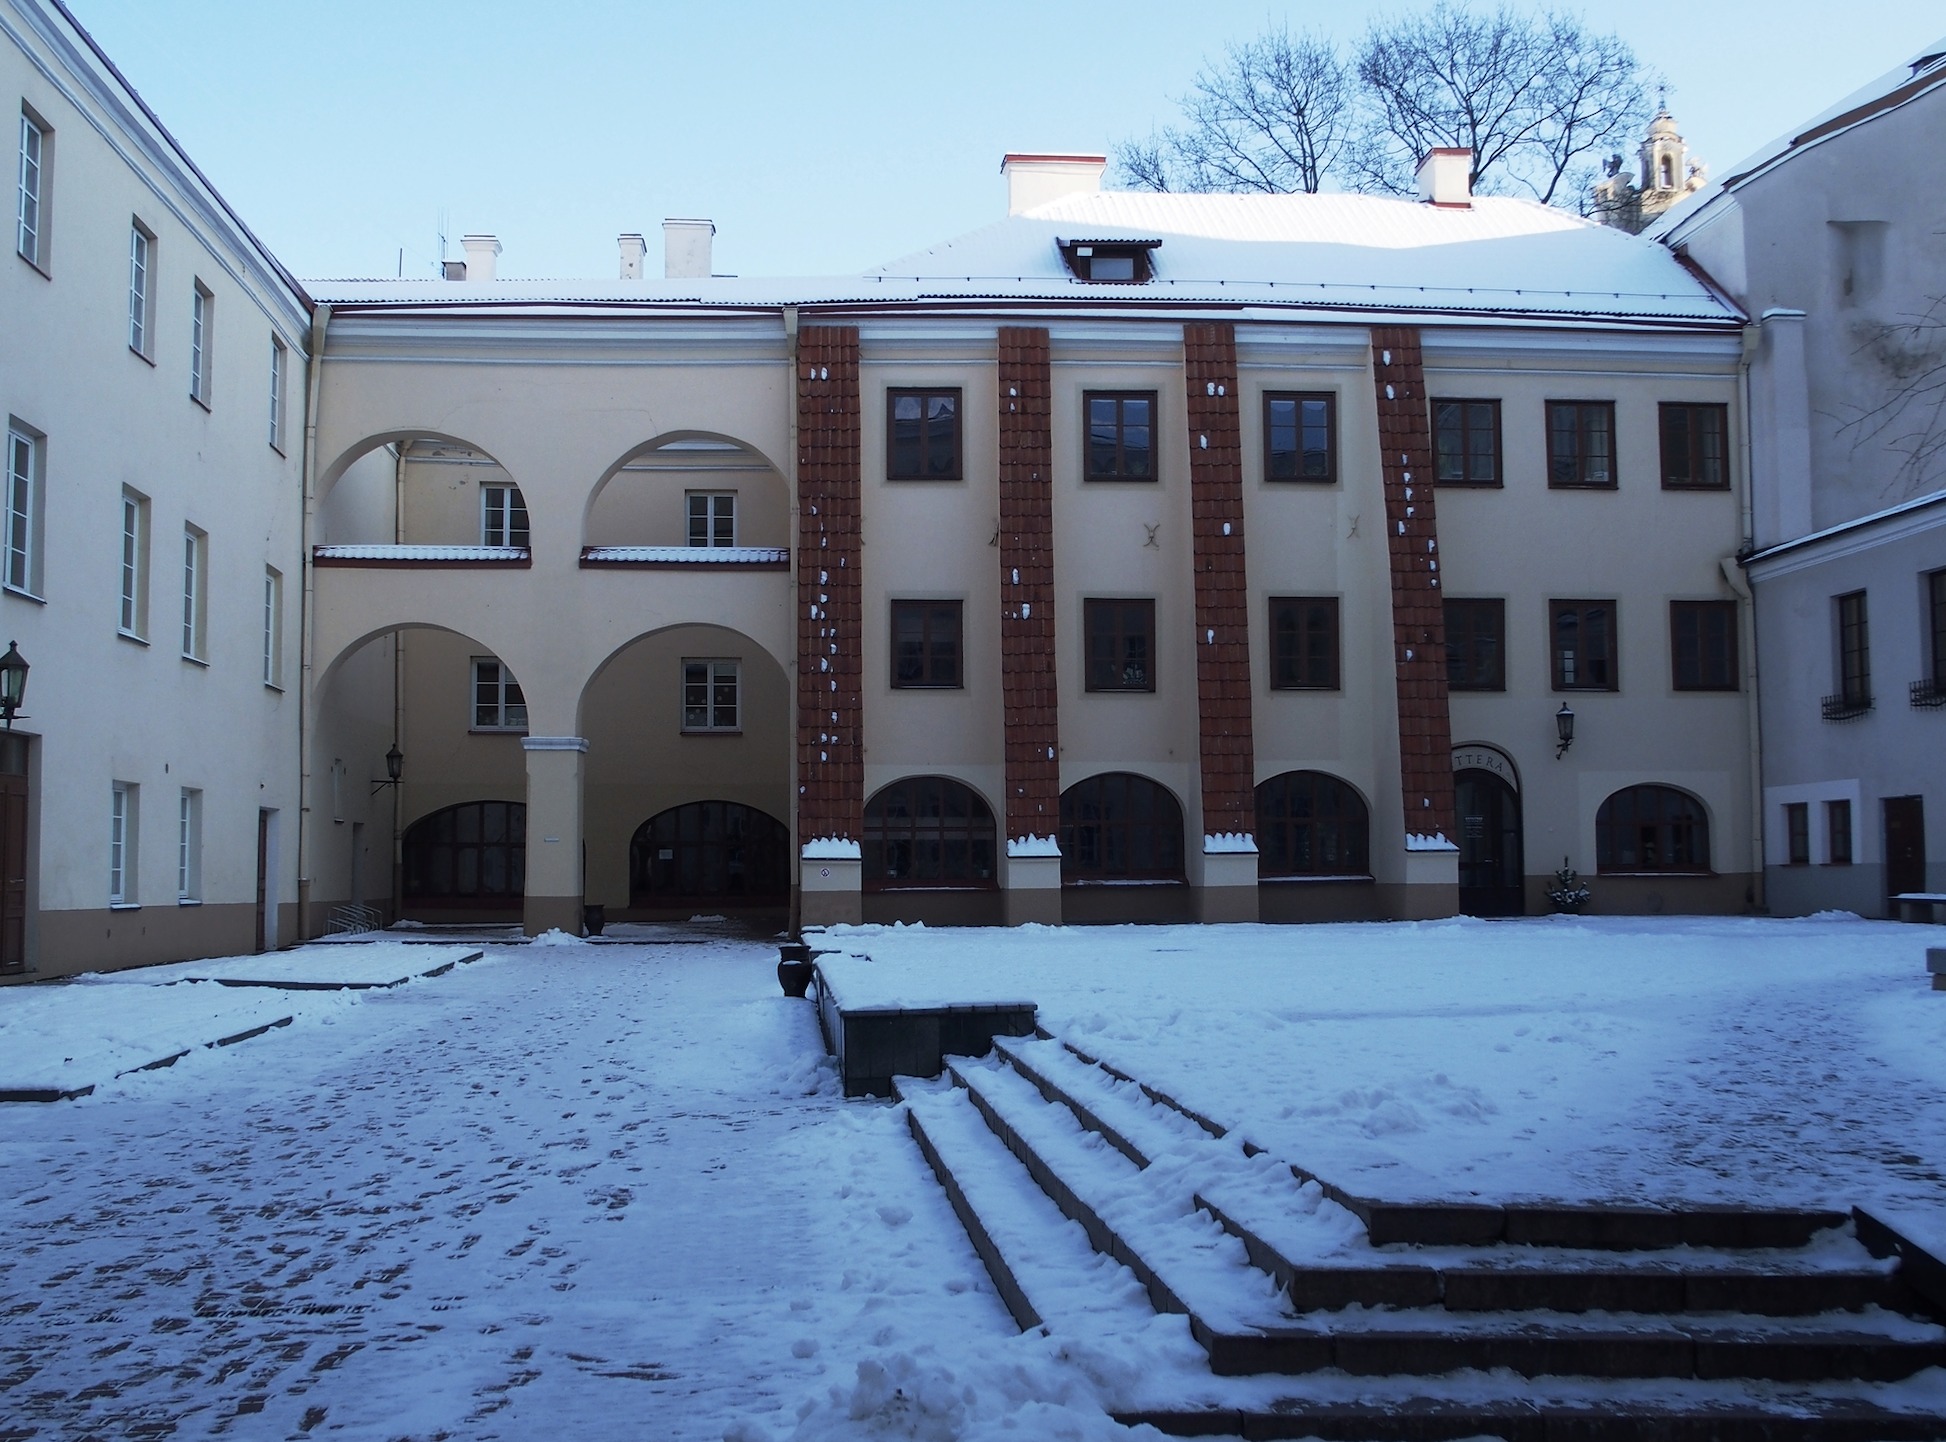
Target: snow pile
pixel 1435 842
pixel 554 936
pixel 1230 843
pixel 1031 845
pixel 831 848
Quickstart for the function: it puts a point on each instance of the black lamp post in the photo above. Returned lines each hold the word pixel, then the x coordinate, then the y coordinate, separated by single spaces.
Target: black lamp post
pixel 13 682
pixel 1564 728
pixel 394 769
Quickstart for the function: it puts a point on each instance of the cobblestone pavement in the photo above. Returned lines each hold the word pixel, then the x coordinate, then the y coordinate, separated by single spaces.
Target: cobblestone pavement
pixel 593 1192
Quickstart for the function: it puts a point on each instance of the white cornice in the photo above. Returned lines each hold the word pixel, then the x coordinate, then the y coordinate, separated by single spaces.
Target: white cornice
pixel 1867 533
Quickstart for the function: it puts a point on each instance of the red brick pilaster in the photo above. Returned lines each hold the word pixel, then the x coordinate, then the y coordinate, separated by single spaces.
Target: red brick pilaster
pixel 1418 613
pixel 830 749
pixel 1222 602
pixel 1027 674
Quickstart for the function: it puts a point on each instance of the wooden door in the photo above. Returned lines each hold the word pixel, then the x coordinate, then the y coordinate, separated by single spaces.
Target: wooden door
pixel 263 873
pixel 1491 866
pixel 13 854
pixel 1905 845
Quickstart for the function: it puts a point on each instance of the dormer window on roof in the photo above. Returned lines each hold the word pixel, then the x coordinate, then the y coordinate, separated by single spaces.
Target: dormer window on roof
pixel 1107 261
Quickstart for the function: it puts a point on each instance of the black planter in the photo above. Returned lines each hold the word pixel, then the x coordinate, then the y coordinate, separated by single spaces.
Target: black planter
pixel 594 916
pixel 794 977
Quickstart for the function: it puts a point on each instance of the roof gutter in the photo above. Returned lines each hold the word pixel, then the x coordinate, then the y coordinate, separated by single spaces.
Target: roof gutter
pixel 313 396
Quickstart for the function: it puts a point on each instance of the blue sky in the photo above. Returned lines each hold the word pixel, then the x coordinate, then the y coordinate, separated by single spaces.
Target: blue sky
pixel 821 138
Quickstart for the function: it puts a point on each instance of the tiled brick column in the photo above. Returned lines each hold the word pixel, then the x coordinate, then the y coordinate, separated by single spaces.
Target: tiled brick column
pixel 1418 619
pixel 1027 665
pixel 830 749
pixel 1229 889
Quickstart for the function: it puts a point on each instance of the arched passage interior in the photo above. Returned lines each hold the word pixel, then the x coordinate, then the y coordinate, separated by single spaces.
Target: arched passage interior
pixel 421 489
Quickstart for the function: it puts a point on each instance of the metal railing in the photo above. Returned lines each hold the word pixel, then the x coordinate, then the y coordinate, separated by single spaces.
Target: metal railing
pixel 1846 708
pixel 351 920
pixel 1928 695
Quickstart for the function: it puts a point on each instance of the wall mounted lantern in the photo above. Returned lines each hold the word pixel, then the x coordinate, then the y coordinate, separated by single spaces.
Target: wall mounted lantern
pixel 394 769
pixel 13 682
pixel 1564 728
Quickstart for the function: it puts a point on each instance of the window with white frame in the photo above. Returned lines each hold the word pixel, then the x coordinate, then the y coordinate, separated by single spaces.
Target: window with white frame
pixel 189 845
pixel 26 474
pixel 141 289
pixel 121 843
pixel 202 318
pixel 134 620
pixel 503 516
pixel 195 594
pixel 273 627
pixel 30 228
pixel 498 704
pixel 712 519
pixel 711 695
pixel 279 362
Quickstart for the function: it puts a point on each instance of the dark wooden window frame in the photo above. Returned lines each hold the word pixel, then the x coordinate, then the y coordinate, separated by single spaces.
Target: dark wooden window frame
pixel 1681 613
pixel 1330 400
pixel 1341 832
pixel 1161 830
pixel 976 831
pixel 1687 835
pixel 1094 606
pixel 1582 430
pixel 1088 472
pixel 1854 649
pixel 1692 461
pixel 928 658
pixel 1936 631
pixel 1837 832
pixel 1332 678
pixel 1499 478
pixel 1612 657
pixel 893 395
pixel 489 837
pixel 1469 633
pixel 1797 833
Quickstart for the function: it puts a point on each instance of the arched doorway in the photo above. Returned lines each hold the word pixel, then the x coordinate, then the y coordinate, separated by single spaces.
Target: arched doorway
pixel 1120 827
pixel 1311 824
pixel 929 832
pixel 470 857
pixel 1492 867
pixel 709 853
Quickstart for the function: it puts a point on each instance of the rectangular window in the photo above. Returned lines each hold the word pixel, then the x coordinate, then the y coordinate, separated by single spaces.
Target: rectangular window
pixel 711 695
pixel 1703 645
pixel 1466 443
pixel 1936 608
pixel 926 644
pixel 1854 652
pixel 712 519
pixel 134 619
pixel 24 477
pixel 1797 832
pixel 1304 643
pixel 29 230
pixel 1584 645
pixel 141 290
pixel 273 627
pixel 202 315
pixel 1300 437
pixel 922 436
pixel 195 594
pixel 498 704
pixel 1695 447
pixel 1476 645
pixel 1581 444
pixel 1121 645
pixel 1121 436
pixel 1837 829
pixel 279 361
pixel 189 846
pixel 503 516
pixel 121 843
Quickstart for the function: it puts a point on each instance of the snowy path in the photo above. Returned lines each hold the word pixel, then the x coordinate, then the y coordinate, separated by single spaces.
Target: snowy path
pixel 575 1192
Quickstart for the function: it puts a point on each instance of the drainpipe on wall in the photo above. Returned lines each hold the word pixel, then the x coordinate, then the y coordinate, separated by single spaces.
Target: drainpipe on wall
pixel 790 480
pixel 314 382
pixel 398 697
pixel 1740 583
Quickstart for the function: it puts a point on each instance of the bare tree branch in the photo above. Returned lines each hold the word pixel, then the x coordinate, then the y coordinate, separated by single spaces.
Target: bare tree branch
pixel 1142 164
pixel 1911 420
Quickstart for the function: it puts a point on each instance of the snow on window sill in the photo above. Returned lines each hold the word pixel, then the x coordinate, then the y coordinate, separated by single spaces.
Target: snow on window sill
pixel 189 901
pixel 1350 876
pixel 124 906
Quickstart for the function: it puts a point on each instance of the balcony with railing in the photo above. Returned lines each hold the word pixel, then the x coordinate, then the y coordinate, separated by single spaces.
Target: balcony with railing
pixel 1928 695
pixel 1847 705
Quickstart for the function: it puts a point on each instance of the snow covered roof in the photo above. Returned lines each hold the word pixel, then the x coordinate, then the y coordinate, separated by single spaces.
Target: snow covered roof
pixel 1894 88
pixel 1356 254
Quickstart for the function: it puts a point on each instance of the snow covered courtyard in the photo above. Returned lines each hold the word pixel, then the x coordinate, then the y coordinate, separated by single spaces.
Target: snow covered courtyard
pixel 611 1192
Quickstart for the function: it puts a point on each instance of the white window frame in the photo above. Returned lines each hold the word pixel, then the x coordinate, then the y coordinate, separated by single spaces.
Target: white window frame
pixel 279 363
pixel 500 508
pixel 141 291
pixel 124 816
pixel 202 328
pixel 133 620
pixel 20 547
pixel 711 517
pixel 30 193
pixel 189 847
pixel 704 707
pixel 498 703
pixel 195 594
pixel 273 626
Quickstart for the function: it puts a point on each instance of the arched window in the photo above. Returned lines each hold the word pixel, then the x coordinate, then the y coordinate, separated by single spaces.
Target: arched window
pixel 929 831
pixel 1311 824
pixel 473 854
pixel 710 851
pixel 1120 827
pixel 1652 828
pixel 1668 173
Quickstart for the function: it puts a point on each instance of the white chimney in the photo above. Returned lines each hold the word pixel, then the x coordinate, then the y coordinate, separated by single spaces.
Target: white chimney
pixel 481 253
pixel 1037 179
pixel 685 248
pixel 633 249
pixel 1446 178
